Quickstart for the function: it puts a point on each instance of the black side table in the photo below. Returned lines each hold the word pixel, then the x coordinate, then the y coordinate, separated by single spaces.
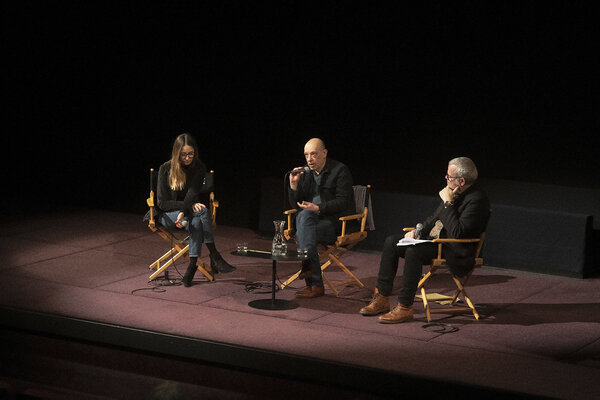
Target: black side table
pixel 272 303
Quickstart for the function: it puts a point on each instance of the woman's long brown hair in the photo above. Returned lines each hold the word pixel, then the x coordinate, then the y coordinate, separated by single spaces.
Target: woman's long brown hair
pixel 177 176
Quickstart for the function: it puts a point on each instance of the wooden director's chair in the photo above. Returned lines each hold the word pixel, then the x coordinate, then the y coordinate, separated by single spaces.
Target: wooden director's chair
pixel 330 254
pixel 440 263
pixel 180 247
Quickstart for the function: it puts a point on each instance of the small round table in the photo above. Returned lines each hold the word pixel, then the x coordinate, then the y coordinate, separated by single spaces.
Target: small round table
pixel 272 303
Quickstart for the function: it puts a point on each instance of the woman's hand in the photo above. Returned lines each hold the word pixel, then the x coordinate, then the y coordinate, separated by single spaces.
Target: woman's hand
pixel 197 207
pixel 179 220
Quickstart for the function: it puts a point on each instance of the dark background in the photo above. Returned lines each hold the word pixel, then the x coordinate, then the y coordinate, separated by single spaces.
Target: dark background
pixel 97 92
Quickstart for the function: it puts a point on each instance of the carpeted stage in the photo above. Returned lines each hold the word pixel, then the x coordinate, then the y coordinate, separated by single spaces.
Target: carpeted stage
pixel 80 320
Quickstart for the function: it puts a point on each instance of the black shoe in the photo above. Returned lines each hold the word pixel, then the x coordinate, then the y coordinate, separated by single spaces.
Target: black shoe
pixel 218 264
pixel 189 275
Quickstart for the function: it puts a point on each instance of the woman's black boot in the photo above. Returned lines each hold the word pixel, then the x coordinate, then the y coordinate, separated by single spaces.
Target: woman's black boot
pixel 217 263
pixel 190 272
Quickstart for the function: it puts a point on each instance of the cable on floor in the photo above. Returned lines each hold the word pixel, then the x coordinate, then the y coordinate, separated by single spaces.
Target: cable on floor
pixel 439 327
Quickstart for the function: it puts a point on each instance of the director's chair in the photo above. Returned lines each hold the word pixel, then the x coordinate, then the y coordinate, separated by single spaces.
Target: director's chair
pixel 331 254
pixel 179 247
pixel 439 263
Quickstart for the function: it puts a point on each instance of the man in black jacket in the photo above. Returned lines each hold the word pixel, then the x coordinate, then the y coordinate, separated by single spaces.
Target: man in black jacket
pixel 323 195
pixel 462 213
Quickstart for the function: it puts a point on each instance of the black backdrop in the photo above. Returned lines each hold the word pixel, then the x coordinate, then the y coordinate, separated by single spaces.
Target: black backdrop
pixel 97 91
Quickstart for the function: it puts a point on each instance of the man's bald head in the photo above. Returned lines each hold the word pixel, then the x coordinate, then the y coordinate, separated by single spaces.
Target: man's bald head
pixel 315 154
pixel 316 143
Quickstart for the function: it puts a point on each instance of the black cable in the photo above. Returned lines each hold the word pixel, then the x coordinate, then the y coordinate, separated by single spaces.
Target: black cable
pixel 253 286
pixel 439 327
pixel 285 192
pixel 160 282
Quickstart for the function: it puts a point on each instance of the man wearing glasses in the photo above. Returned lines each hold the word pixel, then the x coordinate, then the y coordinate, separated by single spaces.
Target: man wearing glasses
pixel 463 213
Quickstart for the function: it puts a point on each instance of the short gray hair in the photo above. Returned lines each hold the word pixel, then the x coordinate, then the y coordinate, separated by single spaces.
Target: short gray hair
pixel 465 168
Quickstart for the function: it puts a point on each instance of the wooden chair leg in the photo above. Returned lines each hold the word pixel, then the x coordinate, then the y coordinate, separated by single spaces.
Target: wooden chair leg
pixel 463 282
pixel 204 271
pixel 331 258
pixel 290 280
pixel 181 252
pixel 346 270
pixel 325 265
pixel 426 304
pixel 297 274
pixel 175 249
pixel 156 264
pixel 462 290
pixel 424 279
pixel 168 263
pixel 331 286
pixel 471 305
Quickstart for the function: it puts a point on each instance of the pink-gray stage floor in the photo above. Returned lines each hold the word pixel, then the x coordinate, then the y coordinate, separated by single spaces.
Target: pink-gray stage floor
pixel 539 335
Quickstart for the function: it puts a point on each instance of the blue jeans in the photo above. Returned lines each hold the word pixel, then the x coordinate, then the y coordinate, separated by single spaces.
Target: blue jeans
pixel 311 230
pixel 199 227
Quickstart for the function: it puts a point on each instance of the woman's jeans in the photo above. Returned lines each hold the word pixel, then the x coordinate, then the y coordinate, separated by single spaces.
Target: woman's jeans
pixel 199 227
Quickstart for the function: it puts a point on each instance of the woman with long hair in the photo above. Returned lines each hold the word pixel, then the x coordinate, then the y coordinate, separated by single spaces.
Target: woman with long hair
pixel 179 183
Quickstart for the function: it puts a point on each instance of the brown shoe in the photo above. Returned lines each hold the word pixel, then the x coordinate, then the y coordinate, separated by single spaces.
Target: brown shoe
pixel 378 305
pixel 399 314
pixel 311 291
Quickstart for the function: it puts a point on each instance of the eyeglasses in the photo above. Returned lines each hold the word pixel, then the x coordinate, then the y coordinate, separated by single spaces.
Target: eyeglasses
pixel 186 155
pixel 449 178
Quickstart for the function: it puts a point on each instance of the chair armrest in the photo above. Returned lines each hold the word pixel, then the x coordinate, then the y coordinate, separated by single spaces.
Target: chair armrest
pixel 408 229
pixel 289 232
pixel 448 240
pixel 440 242
pixel 351 217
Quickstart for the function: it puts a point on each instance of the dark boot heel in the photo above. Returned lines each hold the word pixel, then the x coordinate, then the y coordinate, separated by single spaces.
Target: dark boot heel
pixel 189 275
pixel 214 265
pixel 220 265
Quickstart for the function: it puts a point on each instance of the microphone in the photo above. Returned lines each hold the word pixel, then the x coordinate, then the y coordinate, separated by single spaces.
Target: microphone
pixel 418 230
pixel 295 171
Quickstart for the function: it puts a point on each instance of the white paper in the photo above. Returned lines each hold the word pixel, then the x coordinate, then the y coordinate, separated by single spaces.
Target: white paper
pixel 411 242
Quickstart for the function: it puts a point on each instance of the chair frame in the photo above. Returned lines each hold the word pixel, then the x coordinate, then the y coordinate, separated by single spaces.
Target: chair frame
pixel 180 247
pixel 331 254
pixel 440 263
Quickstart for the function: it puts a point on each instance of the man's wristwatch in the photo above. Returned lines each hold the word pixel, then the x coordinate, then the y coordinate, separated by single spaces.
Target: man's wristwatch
pixel 448 204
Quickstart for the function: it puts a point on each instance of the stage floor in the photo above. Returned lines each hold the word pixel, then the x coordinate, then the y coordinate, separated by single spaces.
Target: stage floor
pixel 539 335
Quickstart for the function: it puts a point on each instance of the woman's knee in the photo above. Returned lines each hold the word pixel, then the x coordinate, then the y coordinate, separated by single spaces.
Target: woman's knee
pixel 203 215
pixel 203 212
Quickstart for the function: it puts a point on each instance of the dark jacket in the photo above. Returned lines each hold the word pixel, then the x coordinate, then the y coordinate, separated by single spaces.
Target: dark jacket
pixel 337 196
pixel 180 200
pixel 466 219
